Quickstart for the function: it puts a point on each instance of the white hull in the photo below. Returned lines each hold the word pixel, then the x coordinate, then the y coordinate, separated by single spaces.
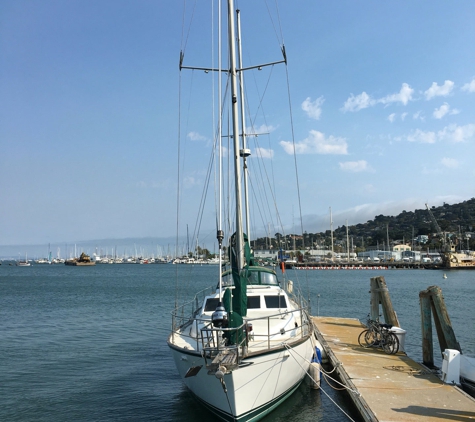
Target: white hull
pixel 259 384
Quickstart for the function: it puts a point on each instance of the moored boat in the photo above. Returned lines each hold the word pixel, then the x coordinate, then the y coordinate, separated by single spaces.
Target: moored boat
pixel 244 345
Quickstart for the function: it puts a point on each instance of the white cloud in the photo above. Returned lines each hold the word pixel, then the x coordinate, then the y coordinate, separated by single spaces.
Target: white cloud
pixel 313 109
pixel 418 116
pixel 358 103
pixel 403 96
pixel 451 133
pixel 450 163
pixel 454 133
pixel 443 110
pixel 392 117
pixel 317 143
pixel 190 182
pixel 354 166
pixel 261 130
pixel 264 152
pixel 422 137
pixel 439 91
pixel 195 136
pixel 469 87
pixel 403 116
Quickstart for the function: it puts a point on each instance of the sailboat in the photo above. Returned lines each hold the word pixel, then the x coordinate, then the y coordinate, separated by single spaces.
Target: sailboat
pixel 246 344
pixel 24 263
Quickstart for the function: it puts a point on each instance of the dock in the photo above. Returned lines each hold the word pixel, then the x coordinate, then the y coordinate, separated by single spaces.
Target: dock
pixel 388 387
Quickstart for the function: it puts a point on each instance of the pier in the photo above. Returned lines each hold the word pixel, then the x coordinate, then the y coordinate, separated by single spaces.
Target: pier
pixel 397 265
pixel 388 387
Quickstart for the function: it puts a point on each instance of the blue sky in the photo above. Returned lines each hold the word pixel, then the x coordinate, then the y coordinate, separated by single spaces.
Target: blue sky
pixel 383 101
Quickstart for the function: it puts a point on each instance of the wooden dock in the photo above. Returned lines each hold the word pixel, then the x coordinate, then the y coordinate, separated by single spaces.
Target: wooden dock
pixel 389 387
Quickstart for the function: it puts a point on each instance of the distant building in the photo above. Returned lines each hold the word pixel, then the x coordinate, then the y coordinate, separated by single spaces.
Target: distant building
pixel 422 239
pixel 401 248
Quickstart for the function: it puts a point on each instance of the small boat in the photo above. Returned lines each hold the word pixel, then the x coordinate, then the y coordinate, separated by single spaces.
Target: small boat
pixel 83 261
pixel 444 276
pixel 24 263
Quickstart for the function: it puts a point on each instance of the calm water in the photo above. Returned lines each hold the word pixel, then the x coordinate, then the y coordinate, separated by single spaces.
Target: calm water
pixel 89 344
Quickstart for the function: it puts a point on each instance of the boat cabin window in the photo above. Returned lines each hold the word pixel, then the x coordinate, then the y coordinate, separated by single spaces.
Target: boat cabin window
pixel 261 277
pixel 275 302
pixel 211 304
pixel 253 302
pixel 269 278
pixel 254 278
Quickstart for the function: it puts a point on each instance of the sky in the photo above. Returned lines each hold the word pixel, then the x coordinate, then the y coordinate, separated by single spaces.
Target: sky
pixel 382 97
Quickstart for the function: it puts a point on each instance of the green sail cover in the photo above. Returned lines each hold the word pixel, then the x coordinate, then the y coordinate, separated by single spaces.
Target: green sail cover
pixel 240 276
pixel 234 321
pixel 237 305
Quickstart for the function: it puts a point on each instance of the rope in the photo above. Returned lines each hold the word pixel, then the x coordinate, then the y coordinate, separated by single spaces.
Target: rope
pixel 324 392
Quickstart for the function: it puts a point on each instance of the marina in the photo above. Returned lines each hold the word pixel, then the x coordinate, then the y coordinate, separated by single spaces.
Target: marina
pixel 90 343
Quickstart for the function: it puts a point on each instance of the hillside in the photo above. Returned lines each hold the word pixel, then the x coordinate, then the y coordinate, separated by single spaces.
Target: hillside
pixel 457 220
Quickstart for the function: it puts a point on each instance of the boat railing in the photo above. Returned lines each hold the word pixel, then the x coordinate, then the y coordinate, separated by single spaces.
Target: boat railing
pixel 184 314
pixel 231 345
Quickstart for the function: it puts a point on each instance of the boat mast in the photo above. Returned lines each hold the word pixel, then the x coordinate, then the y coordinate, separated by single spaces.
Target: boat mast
pixel 245 152
pixel 235 134
pixel 331 229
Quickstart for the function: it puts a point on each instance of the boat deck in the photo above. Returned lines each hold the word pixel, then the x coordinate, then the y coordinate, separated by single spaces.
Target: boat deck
pixel 389 387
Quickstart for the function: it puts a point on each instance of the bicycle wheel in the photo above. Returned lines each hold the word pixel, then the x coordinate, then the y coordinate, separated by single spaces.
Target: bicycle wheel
pixel 366 338
pixel 390 343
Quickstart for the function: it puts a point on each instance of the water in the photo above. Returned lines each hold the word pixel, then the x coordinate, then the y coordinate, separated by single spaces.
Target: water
pixel 89 343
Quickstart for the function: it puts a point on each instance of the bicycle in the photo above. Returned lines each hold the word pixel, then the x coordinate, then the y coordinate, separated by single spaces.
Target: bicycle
pixel 379 335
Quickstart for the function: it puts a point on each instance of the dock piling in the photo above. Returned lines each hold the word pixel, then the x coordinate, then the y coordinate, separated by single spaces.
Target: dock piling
pixel 380 294
pixel 432 302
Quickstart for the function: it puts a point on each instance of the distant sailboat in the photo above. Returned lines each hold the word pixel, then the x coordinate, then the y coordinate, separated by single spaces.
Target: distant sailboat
pixel 24 263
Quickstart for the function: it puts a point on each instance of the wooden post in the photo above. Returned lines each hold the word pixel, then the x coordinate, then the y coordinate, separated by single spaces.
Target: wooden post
pixel 442 322
pixel 389 313
pixel 380 293
pixel 426 325
pixel 432 302
pixel 374 299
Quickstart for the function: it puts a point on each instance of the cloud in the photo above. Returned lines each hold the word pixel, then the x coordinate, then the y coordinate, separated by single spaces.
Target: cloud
pixel 403 116
pixel 261 130
pixel 418 115
pixel 403 96
pixel 190 182
pixel 439 91
pixel 443 110
pixel 422 137
pixel 354 166
pixel 452 133
pixel 358 103
pixel 469 87
pixel 317 143
pixel 450 163
pixel 313 109
pixel 195 136
pixel 264 152
pixel 392 117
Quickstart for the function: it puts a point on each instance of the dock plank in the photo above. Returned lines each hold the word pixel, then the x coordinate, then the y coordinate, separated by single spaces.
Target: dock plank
pixel 389 387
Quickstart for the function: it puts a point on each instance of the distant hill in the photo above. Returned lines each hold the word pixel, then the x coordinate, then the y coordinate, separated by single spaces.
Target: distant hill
pixel 458 220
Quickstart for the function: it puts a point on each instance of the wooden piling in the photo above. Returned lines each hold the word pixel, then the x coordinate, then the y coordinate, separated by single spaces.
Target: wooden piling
pixel 432 301
pixel 426 325
pixel 380 294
